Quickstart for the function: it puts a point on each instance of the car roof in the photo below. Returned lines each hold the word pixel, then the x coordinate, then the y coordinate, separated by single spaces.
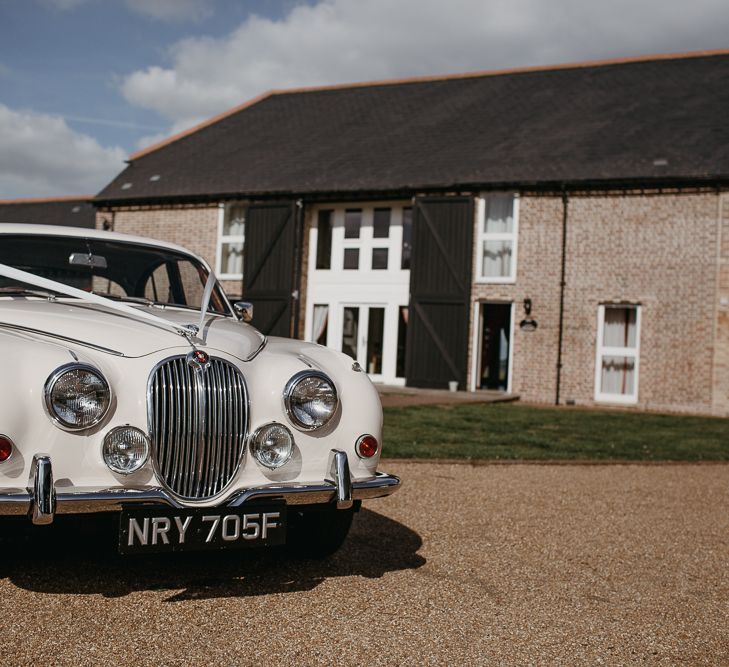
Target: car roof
pixel 79 232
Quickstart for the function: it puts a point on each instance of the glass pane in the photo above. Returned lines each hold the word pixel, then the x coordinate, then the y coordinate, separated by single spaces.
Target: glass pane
pixel 352 223
pixel 320 324
pixel 350 329
pixel 381 223
pixel 232 258
pixel 618 376
pixel 499 214
pixel 375 336
pixel 351 258
pixel 379 258
pixel 158 285
pixel 619 329
pixel 496 259
pixel 235 218
pixel 402 337
pixel 324 240
pixel 407 231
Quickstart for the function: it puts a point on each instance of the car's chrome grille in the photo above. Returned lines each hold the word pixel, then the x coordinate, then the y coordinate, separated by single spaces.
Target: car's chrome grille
pixel 198 421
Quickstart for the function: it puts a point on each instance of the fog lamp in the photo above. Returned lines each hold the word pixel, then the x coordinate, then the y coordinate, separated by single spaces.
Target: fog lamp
pixel 272 445
pixel 125 449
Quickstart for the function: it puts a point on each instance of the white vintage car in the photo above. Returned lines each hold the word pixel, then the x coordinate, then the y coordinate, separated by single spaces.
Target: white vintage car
pixel 132 385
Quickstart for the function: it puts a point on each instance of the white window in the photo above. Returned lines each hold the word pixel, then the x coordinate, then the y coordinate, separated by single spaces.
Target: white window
pixel 498 225
pixel 618 345
pixel 231 237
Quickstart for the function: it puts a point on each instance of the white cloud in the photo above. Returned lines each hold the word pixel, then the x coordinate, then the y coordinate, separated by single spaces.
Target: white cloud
pixel 172 10
pixel 338 41
pixel 40 156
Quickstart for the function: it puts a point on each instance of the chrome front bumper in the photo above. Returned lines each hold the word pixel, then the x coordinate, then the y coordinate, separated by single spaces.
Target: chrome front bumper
pixel 41 501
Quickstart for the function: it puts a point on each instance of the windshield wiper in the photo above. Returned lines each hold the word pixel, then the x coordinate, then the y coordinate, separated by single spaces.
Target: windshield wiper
pixel 131 299
pixel 20 291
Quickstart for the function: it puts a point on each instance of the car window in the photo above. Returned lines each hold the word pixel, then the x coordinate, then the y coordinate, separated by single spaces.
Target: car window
pixel 158 285
pixel 116 269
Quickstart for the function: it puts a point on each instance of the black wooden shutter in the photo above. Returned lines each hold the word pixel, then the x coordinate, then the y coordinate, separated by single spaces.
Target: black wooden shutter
pixel 440 292
pixel 269 256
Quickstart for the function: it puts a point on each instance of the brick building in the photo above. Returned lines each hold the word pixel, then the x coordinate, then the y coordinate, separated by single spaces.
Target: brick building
pixel 558 233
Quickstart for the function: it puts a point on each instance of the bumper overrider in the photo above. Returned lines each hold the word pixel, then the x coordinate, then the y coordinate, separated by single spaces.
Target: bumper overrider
pixel 41 501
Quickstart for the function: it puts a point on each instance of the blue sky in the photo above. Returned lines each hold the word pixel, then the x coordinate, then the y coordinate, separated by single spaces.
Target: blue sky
pixel 84 83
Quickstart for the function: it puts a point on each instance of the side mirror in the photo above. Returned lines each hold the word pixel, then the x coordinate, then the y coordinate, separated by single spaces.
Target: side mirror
pixel 244 310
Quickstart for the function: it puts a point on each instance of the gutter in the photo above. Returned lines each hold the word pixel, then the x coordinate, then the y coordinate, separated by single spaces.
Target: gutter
pixel 407 191
pixel 562 284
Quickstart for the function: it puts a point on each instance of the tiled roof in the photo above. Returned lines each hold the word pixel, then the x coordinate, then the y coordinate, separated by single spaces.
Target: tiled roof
pixel 74 211
pixel 649 120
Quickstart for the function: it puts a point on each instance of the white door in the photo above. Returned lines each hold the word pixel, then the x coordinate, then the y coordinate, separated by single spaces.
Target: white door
pixel 359 283
pixel 362 337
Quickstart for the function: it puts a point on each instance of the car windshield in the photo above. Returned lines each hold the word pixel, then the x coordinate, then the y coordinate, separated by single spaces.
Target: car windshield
pixel 114 269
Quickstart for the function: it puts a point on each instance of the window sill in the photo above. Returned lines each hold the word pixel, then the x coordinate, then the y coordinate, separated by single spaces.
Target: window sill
pixel 495 281
pixel 616 399
pixel 229 276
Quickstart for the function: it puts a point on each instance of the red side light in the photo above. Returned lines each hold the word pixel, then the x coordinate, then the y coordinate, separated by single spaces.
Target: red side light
pixel 367 446
pixel 6 448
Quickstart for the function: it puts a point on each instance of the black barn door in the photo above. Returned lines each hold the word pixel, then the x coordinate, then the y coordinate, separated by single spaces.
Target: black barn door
pixel 440 291
pixel 269 256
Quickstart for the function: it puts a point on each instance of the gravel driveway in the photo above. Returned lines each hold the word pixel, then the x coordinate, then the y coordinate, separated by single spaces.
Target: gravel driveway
pixel 516 564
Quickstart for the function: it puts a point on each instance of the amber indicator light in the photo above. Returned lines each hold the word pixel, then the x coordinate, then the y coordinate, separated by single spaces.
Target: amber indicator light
pixel 367 446
pixel 6 448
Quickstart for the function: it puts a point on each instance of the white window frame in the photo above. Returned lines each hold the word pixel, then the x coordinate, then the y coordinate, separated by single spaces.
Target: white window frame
pixel 608 351
pixel 226 238
pixel 482 237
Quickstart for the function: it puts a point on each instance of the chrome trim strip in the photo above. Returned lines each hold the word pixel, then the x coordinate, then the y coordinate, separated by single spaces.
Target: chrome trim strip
pixel 89 500
pixel 65 339
pixel 42 507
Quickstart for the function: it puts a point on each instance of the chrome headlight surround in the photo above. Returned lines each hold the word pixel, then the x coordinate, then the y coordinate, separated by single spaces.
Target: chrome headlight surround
pixel 51 385
pixel 290 396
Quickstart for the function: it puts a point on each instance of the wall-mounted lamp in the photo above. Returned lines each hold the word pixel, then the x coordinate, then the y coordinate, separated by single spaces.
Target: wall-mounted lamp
pixel 527 307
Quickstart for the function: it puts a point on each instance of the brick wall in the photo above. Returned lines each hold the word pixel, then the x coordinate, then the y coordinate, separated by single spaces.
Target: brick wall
pixel 537 278
pixel 658 250
pixel 193 227
pixel 721 350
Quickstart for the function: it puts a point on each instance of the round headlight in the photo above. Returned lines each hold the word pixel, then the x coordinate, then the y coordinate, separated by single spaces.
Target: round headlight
pixel 77 396
pixel 126 449
pixel 311 400
pixel 272 445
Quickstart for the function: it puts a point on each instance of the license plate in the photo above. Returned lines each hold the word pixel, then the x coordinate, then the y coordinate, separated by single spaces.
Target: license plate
pixel 210 529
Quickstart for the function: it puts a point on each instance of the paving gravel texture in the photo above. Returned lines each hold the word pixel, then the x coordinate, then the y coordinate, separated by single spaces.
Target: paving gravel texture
pixel 466 565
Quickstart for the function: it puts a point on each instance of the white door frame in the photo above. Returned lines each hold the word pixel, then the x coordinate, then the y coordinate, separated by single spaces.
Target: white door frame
pixel 477 340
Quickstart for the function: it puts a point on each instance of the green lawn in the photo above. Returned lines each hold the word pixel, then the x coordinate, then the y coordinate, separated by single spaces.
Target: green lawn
pixel 513 431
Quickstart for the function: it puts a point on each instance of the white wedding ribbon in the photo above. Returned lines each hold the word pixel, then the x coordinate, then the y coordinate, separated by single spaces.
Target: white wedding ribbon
pixel 209 285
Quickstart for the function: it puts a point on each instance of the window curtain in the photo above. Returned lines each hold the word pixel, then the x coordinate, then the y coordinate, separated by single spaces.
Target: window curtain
pixel 619 328
pixel 497 259
pixel 618 375
pixel 499 214
pixel 321 318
